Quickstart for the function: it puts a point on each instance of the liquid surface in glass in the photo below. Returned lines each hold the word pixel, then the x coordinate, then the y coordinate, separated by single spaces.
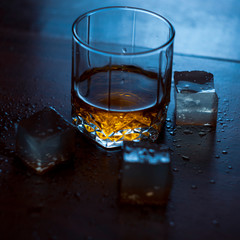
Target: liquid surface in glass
pixel 116 103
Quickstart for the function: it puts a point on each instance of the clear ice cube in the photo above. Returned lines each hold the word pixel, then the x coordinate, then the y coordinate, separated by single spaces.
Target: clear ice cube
pixel 146 174
pixel 44 140
pixel 196 101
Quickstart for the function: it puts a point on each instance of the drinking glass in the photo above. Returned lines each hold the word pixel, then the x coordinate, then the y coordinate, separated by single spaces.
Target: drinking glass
pixel 121 74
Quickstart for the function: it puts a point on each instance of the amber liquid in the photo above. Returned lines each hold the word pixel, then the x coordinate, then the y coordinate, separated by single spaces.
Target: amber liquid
pixel 119 103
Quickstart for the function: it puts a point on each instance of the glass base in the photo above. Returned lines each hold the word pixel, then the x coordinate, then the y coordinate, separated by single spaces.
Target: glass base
pixel 115 139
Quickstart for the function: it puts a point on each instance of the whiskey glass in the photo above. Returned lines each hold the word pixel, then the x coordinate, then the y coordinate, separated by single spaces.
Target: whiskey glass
pixel 121 74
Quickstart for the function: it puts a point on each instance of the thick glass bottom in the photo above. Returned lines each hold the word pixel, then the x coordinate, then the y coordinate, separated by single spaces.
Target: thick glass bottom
pixel 108 138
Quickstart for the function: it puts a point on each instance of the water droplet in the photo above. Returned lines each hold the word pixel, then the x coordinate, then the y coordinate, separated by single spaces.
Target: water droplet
pixel 172 223
pixel 124 50
pixel 172 133
pixel 217 156
pixel 175 169
pixel 215 222
pixel 229 167
pixel 212 181
pixel 168 126
pixel 201 134
pixel 178 146
pixel 185 158
pixel 77 195
pixel 187 131
pixel 224 152
pixel 194 186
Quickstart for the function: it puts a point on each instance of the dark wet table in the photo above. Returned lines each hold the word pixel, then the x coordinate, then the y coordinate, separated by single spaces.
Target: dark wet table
pixel 79 200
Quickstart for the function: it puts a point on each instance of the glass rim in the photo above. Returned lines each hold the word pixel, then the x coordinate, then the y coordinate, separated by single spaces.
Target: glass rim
pixel 99 51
